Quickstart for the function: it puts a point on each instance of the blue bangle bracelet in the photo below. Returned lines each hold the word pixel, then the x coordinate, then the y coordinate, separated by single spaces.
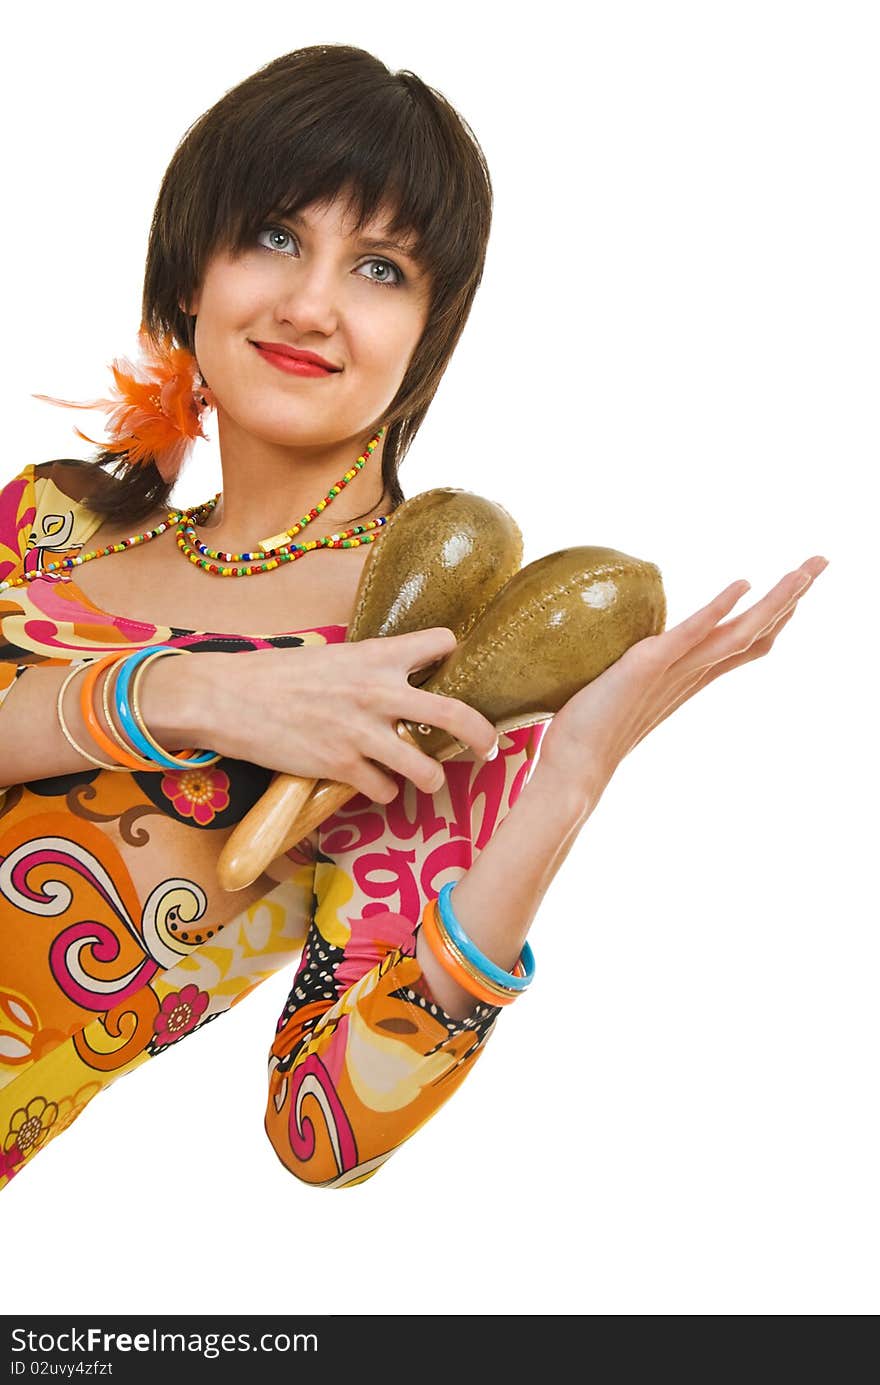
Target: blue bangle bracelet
pixel 126 716
pixel 473 953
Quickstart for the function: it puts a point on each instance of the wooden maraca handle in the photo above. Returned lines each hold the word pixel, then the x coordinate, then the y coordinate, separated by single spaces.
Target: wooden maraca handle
pixel 329 795
pixel 315 810
pixel 262 832
pixel 281 817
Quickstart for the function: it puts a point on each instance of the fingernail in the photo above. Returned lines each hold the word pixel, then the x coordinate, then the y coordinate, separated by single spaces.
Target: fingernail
pixel 493 752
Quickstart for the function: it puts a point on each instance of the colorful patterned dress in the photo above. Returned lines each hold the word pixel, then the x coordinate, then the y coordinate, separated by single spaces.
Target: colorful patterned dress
pixel 117 941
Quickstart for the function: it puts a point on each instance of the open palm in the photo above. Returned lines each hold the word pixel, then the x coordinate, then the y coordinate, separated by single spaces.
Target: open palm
pixel 602 722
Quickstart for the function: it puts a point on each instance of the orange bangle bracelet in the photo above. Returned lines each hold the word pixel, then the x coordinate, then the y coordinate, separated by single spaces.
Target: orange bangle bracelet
pixel 437 944
pixel 502 994
pixel 122 750
pixel 120 753
pixel 72 673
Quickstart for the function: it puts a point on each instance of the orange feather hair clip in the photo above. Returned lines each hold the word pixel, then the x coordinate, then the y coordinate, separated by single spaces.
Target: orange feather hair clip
pixel 156 413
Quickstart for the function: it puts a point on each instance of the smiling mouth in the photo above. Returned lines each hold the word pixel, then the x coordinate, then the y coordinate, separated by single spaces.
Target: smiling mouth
pixel 293 365
pixel 292 353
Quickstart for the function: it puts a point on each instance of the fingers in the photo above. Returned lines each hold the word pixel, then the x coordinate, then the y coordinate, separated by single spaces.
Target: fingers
pixel 353 766
pixel 688 633
pixel 417 705
pixel 695 679
pixel 421 647
pixel 425 772
pixel 750 624
pixel 386 701
pixel 776 613
pixel 370 779
pixel 754 623
pixel 450 714
pixel 740 634
pixel 788 589
pixel 383 751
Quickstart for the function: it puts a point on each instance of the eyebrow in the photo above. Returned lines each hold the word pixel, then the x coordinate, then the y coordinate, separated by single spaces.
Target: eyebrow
pixel 370 242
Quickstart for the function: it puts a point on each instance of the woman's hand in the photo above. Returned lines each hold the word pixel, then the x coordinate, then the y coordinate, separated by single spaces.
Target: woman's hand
pixel 596 728
pixel 330 711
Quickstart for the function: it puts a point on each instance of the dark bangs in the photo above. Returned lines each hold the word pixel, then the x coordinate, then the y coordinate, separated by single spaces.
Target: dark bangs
pixel 306 140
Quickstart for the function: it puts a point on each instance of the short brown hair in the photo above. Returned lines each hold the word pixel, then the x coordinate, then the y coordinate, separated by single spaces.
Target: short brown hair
pixel 314 124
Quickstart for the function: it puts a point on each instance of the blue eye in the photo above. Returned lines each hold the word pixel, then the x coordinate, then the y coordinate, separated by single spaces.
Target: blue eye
pixel 284 234
pixel 276 231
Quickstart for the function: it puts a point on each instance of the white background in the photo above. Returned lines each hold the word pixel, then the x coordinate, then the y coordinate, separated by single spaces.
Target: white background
pixel 674 353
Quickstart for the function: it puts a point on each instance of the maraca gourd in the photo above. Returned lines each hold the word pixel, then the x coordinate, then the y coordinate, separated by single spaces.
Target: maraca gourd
pixel 442 556
pixel 557 624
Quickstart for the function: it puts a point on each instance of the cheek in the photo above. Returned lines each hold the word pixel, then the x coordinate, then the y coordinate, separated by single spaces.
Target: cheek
pixel 387 345
pixel 232 296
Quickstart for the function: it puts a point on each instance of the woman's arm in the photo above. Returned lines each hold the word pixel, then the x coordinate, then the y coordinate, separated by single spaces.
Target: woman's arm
pixel 360 1059
pixel 366 1049
pixel 32 743
pixel 497 899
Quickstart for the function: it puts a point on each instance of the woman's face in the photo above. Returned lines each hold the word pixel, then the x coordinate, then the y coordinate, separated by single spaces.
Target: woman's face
pixel 310 284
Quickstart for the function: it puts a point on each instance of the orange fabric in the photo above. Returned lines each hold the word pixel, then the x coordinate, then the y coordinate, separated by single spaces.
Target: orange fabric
pixel 117 941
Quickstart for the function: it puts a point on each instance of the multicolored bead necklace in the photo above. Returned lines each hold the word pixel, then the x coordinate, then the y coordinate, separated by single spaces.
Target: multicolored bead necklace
pixel 274 551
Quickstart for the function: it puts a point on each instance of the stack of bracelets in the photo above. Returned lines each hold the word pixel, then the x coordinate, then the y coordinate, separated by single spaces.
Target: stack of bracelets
pixel 140 751
pixel 464 961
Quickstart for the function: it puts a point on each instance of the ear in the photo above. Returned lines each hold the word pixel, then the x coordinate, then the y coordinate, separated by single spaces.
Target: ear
pixel 192 307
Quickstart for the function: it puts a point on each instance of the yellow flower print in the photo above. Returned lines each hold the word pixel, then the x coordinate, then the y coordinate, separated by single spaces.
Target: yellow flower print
pixel 69 1107
pixel 30 1125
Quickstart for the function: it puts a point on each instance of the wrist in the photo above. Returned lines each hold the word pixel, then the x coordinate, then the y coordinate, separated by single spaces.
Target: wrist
pixel 572 789
pixel 172 705
pixel 443 990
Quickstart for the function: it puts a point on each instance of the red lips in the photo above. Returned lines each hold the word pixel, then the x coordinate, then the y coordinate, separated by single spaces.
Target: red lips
pixel 280 348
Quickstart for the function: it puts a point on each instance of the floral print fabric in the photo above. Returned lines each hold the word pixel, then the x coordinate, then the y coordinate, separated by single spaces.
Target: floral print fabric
pixel 117 941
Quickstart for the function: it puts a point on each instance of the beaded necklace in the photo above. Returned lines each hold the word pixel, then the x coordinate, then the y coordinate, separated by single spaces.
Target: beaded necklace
pixel 277 549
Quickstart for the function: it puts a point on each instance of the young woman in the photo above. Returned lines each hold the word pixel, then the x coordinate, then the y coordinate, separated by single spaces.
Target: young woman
pixel 316 245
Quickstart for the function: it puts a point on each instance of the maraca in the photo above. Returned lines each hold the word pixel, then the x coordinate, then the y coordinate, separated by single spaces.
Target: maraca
pixel 555 626
pixel 442 556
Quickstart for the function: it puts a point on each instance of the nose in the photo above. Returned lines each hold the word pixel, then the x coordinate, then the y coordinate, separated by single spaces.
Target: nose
pixel 309 303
